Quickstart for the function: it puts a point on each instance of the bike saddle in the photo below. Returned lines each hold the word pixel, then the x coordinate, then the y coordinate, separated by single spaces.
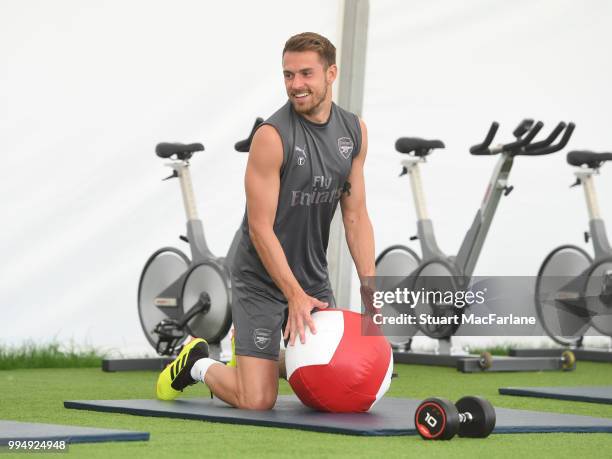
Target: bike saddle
pixel 588 158
pixel 181 150
pixel 420 147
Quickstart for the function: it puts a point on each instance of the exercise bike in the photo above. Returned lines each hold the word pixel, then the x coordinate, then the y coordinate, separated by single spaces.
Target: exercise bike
pixel 452 273
pixel 573 289
pixel 180 296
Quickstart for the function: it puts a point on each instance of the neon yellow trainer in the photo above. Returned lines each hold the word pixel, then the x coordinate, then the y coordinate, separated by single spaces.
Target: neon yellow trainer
pixel 177 376
pixel 232 362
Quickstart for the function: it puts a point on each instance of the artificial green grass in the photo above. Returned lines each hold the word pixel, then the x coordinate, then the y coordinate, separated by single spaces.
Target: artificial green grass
pixel 38 395
pixel 53 355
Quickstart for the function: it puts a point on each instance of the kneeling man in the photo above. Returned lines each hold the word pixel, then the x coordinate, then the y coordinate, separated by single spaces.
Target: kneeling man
pixel 304 159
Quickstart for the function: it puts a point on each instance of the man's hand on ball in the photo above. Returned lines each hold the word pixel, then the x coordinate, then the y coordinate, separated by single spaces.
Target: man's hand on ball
pixel 300 307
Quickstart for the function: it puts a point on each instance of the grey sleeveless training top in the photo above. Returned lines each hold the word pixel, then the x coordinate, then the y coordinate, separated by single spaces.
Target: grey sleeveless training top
pixel 317 160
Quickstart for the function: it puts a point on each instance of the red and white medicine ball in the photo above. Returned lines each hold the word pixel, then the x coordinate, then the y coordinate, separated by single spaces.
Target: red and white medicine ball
pixel 339 369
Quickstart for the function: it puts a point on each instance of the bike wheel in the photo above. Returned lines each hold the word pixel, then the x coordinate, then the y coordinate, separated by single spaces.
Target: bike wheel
pixel 393 265
pixel 558 295
pixel 210 277
pixel 161 270
pixel 598 295
pixel 437 281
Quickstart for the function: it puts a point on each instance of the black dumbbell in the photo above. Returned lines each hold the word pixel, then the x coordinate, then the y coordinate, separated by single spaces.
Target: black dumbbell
pixel 439 419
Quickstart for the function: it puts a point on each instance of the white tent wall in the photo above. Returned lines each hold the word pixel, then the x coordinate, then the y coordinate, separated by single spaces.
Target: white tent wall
pixel 445 70
pixel 87 89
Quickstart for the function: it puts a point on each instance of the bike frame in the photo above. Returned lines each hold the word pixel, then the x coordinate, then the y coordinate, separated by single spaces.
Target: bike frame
pixel 474 239
pixel 195 229
pixel 597 228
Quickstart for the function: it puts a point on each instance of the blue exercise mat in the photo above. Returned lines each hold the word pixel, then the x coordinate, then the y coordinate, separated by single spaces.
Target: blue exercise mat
pixel 14 430
pixel 390 416
pixel 593 394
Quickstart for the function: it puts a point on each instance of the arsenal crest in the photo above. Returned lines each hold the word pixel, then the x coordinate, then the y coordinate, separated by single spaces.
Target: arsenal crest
pixel 345 147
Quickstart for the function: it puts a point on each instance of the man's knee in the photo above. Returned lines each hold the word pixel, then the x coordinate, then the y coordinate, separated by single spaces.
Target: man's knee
pixel 262 401
pixel 257 383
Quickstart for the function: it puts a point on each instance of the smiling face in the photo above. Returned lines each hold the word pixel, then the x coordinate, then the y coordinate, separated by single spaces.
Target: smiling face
pixel 308 83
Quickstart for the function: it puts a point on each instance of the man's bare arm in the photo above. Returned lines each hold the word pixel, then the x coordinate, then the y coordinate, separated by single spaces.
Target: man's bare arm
pixel 262 184
pixel 357 225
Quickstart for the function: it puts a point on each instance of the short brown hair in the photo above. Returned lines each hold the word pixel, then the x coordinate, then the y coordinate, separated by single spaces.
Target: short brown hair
pixel 310 41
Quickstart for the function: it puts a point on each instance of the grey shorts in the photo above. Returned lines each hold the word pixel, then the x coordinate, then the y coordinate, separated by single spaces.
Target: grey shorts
pixel 259 318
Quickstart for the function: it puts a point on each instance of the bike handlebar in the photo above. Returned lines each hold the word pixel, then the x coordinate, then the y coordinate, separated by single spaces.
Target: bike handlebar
pixel 522 142
pixel 550 139
pixel 243 146
pixel 525 132
pixel 483 148
pixel 569 130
